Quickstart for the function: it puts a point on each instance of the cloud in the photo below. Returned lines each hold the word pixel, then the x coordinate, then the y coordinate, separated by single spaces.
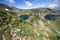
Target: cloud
pixel 55 4
pixel 52 5
pixel 56 1
pixel 11 1
pixel 42 5
pixel 28 3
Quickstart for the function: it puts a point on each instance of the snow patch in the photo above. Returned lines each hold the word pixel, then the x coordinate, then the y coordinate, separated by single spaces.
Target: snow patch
pixel 7 9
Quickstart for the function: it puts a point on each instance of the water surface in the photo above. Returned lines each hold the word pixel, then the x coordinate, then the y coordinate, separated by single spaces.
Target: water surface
pixel 24 17
pixel 51 17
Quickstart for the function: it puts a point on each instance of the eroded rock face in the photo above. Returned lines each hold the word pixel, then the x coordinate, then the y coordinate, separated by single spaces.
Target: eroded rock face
pixel 15 36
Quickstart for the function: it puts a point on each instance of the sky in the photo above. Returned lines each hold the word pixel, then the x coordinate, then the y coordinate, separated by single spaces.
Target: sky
pixel 28 4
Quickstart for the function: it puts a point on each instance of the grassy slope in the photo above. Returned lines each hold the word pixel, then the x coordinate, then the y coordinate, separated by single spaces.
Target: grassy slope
pixel 46 29
pixel 10 21
pixel 35 26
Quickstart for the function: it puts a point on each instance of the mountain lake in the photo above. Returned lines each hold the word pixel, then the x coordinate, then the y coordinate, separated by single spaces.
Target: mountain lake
pixel 24 17
pixel 51 17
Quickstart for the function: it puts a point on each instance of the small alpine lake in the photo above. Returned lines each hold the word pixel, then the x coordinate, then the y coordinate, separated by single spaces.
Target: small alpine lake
pixel 24 17
pixel 50 16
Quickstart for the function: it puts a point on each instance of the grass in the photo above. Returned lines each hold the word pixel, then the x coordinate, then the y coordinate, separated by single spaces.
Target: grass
pixel 27 29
